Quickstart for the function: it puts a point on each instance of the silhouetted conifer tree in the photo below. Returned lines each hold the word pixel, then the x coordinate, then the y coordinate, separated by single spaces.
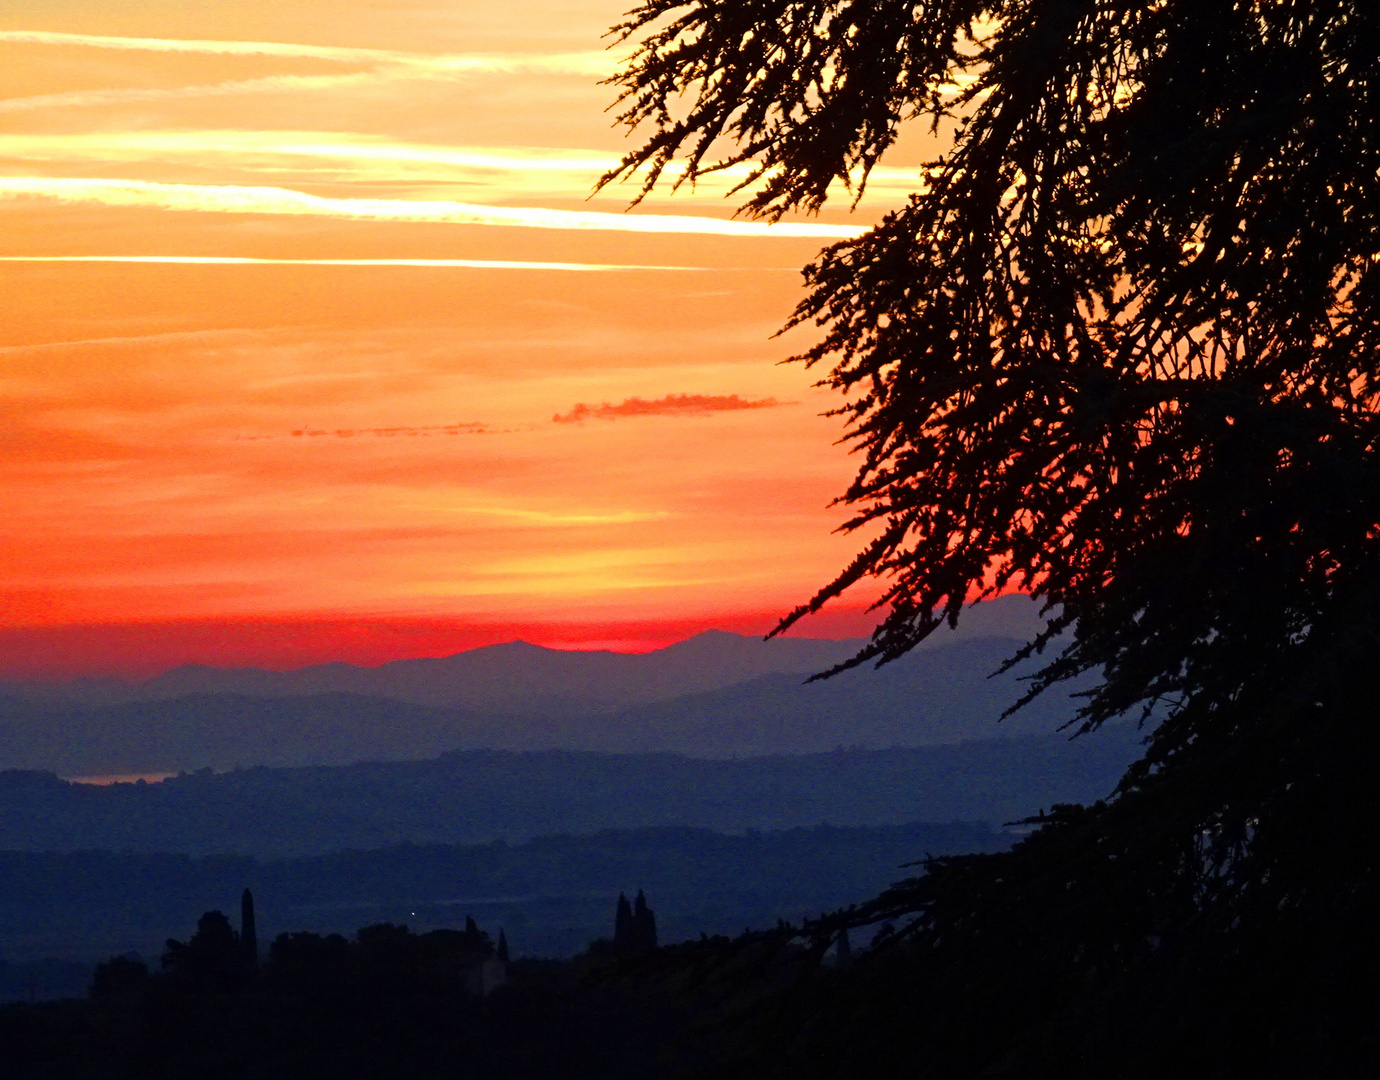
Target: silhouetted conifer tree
pixel 502 945
pixel 623 932
pixel 643 924
pixel 249 936
pixel 1120 350
pixel 212 960
pixel 476 941
pixel 121 979
pixel 843 949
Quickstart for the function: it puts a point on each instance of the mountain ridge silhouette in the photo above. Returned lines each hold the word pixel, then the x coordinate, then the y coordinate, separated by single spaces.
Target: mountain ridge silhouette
pixel 520 676
pixel 936 697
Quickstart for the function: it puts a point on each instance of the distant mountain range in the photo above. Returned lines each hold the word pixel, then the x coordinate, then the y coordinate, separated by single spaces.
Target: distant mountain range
pixel 513 677
pixel 714 695
pixel 938 696
pixel 518 677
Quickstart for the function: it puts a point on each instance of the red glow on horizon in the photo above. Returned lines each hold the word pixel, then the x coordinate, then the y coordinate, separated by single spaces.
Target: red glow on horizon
pixel 107 780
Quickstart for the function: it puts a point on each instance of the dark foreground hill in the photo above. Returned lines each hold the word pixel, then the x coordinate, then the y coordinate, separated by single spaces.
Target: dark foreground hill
pixel 480 796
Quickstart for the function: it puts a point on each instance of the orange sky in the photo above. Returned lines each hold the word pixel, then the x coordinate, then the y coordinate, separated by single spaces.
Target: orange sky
pixel 323 425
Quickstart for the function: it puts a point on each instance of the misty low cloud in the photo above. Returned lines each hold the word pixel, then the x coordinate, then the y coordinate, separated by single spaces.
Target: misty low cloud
pixel 671 404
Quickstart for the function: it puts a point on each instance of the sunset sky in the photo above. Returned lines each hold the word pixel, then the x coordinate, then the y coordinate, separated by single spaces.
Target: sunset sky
pixel 314 346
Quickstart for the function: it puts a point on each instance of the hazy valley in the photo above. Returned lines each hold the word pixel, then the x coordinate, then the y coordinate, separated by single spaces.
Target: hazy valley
pixel 523 785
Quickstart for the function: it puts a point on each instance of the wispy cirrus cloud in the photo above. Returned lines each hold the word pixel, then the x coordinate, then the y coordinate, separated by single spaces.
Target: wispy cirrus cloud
pixel 134 341
pixel 269 84
pixel 383 65
pixel 243 199
pixel 203 46
pixel 670 405
pixel 586 62
pixel 247 146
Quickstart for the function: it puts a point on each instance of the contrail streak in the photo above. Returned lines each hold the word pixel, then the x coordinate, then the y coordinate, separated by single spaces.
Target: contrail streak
pixel 583 62
pixel 217 48
pixel 235 260
pixel 269 84
pixel 284 201
pixel 386 65
pixel 340 145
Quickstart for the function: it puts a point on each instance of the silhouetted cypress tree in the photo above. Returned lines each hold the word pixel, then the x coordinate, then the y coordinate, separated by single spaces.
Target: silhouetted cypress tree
pixel 644 924
pixel 502 945
pixel 843 951
pixel 623 932
pixel 121 978
pixel 249 937
pixel 212 960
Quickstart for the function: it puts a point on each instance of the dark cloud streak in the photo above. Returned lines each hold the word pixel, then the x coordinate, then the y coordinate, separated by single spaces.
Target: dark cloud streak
pixel 670 405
